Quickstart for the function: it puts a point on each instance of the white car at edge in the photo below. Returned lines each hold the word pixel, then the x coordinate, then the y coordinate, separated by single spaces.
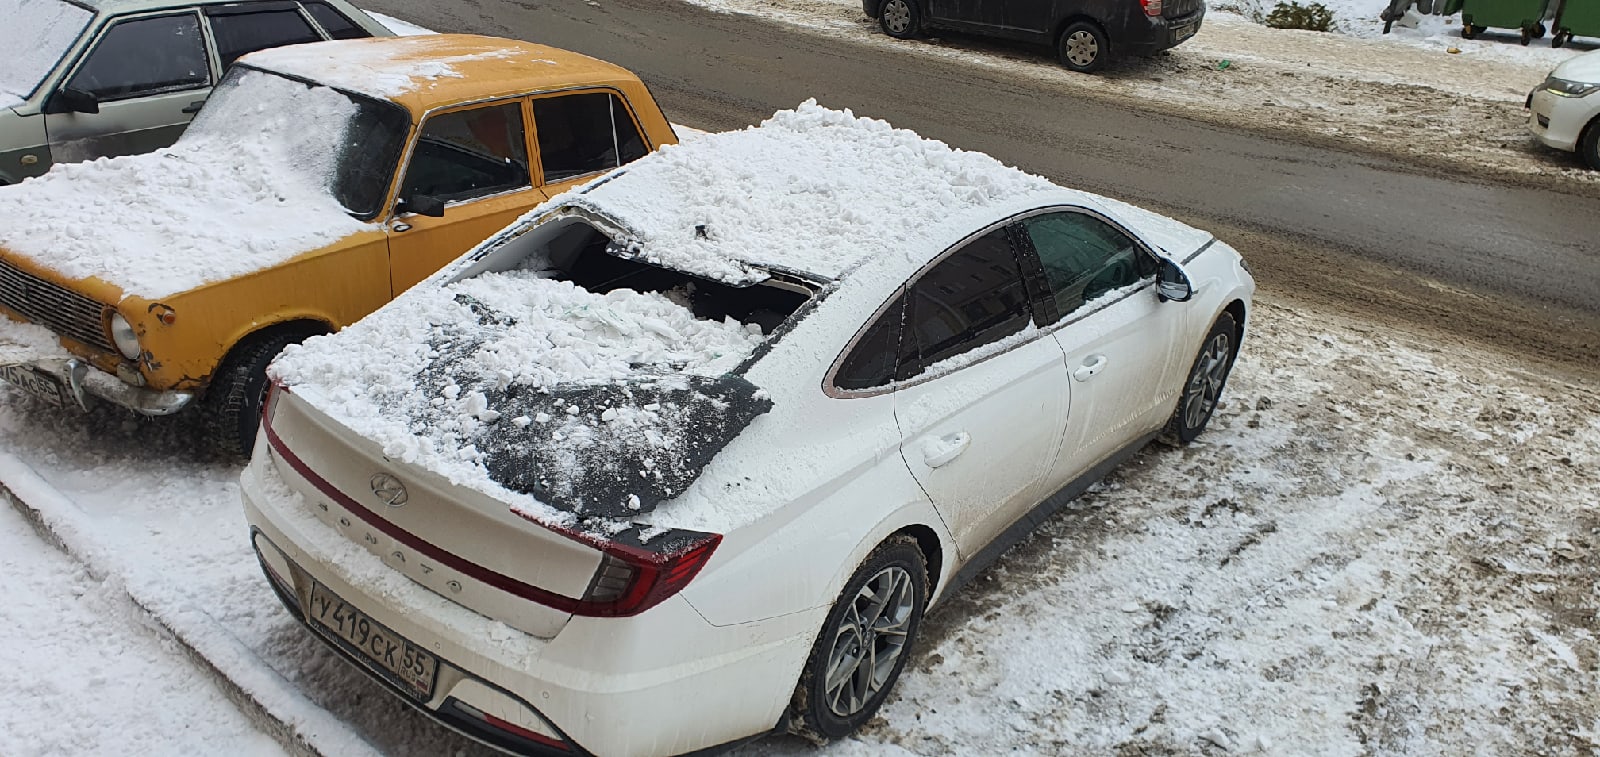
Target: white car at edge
pixel 1565 108
pixel 682 457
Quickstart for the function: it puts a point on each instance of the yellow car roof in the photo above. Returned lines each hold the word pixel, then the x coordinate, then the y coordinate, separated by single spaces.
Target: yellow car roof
pixel 438 70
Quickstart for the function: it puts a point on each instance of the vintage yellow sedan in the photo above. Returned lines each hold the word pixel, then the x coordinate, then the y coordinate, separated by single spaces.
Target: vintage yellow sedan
pixel 318 182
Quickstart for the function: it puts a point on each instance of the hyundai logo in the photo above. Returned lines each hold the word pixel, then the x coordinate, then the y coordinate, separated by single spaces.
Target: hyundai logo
pixel 389 490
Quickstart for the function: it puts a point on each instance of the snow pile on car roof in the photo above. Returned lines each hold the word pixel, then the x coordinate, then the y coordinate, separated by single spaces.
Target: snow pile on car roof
pixel 537 391
pixel 381 67
pixel 810 190
pixel 248 194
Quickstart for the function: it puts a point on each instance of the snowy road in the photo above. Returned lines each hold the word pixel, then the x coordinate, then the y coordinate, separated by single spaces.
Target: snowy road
pixel 1386 544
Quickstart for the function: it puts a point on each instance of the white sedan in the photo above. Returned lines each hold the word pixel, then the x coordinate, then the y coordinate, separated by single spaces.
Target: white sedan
pixel 1564 111
pixel 682 457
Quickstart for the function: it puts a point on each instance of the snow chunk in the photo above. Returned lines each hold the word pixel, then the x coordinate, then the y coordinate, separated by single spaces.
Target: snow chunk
pixel 811 190
pixel 246 187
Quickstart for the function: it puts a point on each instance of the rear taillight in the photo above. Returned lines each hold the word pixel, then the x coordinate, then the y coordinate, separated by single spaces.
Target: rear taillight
pixel 1151 7
pixel 631 580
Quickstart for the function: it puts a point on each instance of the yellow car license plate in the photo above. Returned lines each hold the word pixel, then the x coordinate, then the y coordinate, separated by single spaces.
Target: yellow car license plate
pixel 36 383
pixel 411 665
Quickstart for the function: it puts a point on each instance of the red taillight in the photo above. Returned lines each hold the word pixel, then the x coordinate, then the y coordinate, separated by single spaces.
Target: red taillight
pixel 631 580
pixel 1151 7
pixel 270 404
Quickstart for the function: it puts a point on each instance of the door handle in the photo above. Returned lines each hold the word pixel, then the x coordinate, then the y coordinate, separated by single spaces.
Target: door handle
pixel 194 107
pixel 937 452
pixel 1090 368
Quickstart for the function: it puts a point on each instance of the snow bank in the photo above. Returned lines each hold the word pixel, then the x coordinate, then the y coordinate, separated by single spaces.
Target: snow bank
pixel 247 187
pixel 34 37
pixel 811 190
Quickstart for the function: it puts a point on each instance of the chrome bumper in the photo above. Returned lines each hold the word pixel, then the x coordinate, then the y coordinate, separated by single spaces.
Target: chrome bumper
pixel 82 380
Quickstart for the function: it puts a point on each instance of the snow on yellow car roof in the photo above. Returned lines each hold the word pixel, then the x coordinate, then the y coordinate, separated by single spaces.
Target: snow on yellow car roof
pixel 431 71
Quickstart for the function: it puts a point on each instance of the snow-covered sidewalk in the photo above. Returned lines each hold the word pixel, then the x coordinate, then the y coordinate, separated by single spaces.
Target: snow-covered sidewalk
pixel 1386 543
pixel 1404 93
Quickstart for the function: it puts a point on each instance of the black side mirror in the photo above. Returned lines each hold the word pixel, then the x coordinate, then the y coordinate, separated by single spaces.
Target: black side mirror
pixel 422 205
pixel 69 100
pixel 1172 283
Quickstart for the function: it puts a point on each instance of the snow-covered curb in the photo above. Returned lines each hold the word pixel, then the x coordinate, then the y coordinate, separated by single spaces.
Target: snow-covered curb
pixel 274 704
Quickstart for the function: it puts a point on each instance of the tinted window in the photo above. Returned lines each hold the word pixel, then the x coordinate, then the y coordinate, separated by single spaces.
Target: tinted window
pixel 335 23
pixel 1084 257
pixel 584 133
pixel 971 298
pixel 872 361
pixel 145 56
pixel 470 153
pixel 243 33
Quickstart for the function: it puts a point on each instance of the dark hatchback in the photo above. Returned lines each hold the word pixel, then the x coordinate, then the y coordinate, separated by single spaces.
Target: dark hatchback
pixel 1085 33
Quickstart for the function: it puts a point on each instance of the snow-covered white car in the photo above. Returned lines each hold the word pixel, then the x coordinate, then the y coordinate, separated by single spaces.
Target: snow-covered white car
pixel 1565 108
pixel 682 457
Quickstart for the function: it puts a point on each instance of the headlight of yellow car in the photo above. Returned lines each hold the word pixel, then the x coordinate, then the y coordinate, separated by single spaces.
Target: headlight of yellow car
pixel 122 334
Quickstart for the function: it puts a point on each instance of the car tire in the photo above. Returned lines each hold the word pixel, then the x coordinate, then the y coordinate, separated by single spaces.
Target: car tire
pixel 1468 31
pixel 1524 36
pixel 1559 39
pixel 900 18
pixel 892 586
pixel 1589 144
pixel 1539 31
pixel 1202 390
pixel 231 406
pixel 1083 47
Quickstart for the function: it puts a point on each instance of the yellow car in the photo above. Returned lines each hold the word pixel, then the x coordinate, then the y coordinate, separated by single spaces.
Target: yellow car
pixel 318 182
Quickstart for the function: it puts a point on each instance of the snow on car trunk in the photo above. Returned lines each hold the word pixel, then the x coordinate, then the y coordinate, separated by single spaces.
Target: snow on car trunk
pixel 536 391
pixel 246 187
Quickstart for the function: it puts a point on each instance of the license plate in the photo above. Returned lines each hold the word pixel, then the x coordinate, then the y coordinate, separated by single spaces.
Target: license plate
pixel 41 385
pixel 407 663
pixel 1183 32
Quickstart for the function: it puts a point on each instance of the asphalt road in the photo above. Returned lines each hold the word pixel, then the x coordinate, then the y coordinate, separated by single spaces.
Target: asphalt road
pixel 1500 263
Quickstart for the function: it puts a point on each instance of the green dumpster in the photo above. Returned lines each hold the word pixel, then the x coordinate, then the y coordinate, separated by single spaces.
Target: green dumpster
pixel 1576 18
pixel 1526 16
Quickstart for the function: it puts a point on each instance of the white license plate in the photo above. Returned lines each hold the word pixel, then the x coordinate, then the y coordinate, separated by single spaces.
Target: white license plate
pixel 41 385
pixel 1183 32
pixel 406 662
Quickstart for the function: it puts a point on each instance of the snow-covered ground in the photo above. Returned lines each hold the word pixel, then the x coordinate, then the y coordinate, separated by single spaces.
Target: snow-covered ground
pixel 1423 93
pixel 1386 543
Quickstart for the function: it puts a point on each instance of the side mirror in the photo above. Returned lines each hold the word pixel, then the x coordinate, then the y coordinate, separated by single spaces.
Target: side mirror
pixel 422 205
pixel 1172 283
pixel 69 100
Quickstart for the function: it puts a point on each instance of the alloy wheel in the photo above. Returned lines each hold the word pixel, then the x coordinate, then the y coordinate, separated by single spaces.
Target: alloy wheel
pixel 1205 384
pixel 870 639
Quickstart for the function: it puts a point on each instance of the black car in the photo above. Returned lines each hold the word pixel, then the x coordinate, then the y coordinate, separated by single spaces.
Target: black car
pixel 1085 33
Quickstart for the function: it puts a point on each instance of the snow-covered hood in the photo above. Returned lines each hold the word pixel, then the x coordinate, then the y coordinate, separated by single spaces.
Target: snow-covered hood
pixel 1584 68
pixel 246 192
pixel 537 391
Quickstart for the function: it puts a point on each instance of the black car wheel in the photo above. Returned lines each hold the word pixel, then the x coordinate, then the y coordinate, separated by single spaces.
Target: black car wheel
pixel 1083 47
pixel 231 407
pixel 900 18
pixel 1589 144
pixel 864 643
pixel 1203 389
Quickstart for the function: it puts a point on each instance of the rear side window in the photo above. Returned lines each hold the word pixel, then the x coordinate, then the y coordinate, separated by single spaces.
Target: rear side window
pixel 125 62
pixel 239 34
pixel 470 153
pixel 336 24
pixel 871 362
pixel 972 298
pixel 584 133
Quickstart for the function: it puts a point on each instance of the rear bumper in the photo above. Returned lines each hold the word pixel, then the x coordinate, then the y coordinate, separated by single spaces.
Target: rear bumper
pixel 663 682
pixel 1146 35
